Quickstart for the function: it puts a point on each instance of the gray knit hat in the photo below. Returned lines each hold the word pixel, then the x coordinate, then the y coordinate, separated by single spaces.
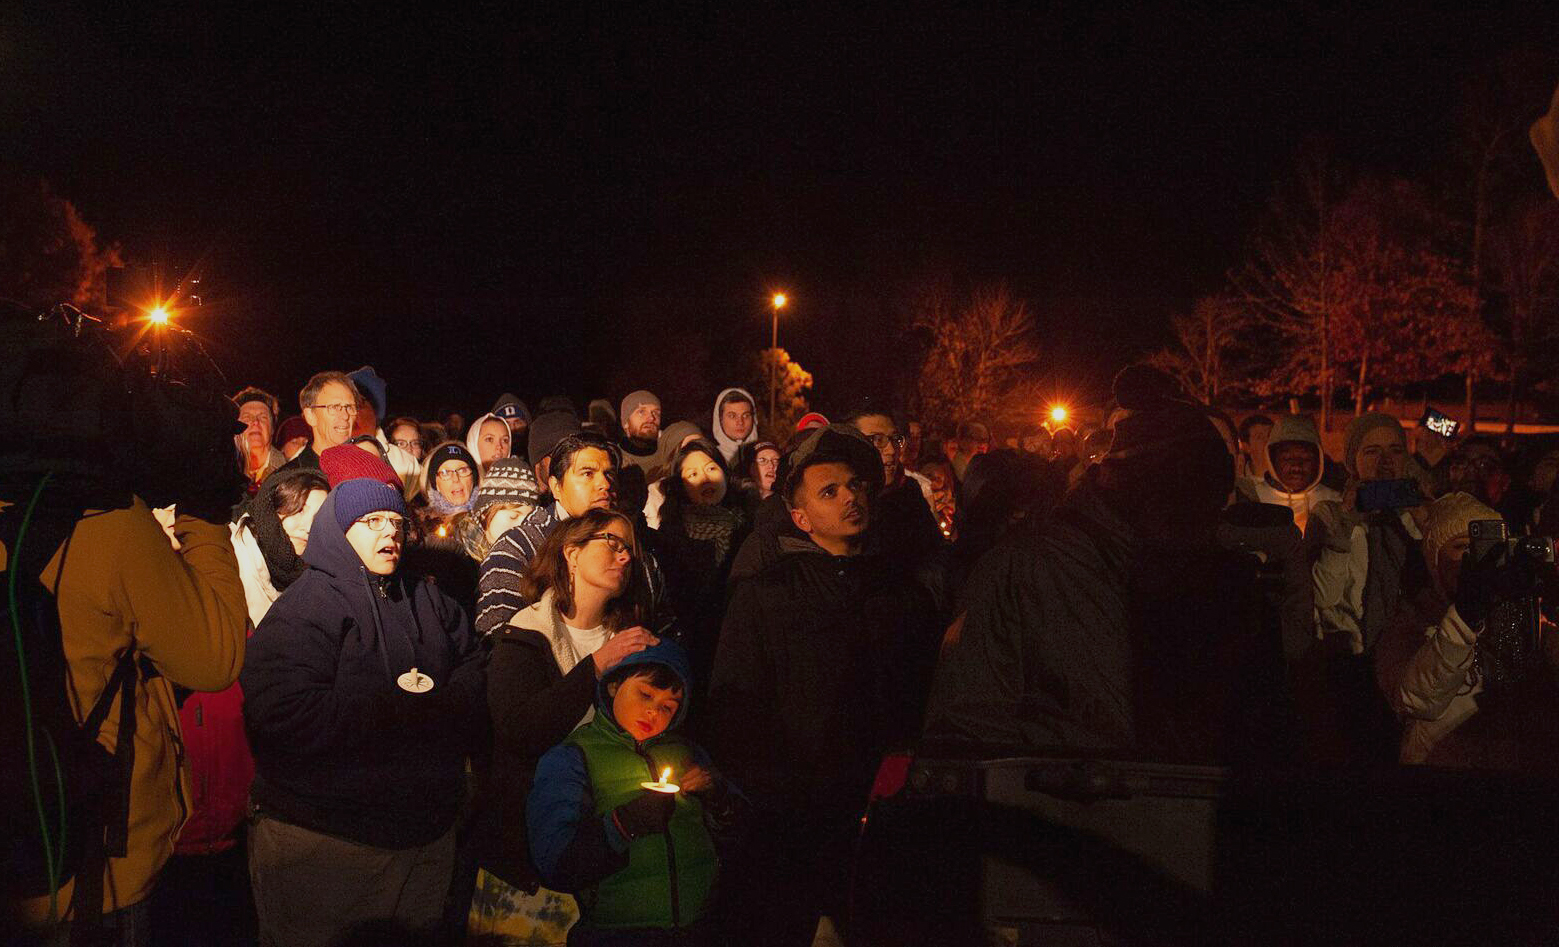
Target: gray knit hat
pixel 1359 428
pixel 507 480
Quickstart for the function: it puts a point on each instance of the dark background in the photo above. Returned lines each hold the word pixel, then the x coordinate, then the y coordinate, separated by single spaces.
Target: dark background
pixel 601 199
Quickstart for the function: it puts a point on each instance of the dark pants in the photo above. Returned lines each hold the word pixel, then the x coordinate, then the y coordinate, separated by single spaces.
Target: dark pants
pixel 318 890
pixel 793 868
pixel 204 899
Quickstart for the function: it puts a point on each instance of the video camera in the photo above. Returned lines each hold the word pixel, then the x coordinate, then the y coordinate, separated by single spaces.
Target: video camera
pixel 144 408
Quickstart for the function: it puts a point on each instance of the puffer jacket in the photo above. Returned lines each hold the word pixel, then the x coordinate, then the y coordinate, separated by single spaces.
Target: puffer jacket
pixel 663 881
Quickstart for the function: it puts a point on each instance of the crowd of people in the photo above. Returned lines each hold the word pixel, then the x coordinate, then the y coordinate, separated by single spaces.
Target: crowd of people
pixel 596 678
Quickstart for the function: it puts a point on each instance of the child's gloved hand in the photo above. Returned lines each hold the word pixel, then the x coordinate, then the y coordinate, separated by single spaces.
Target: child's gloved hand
pixel 649 814
pixel 697 779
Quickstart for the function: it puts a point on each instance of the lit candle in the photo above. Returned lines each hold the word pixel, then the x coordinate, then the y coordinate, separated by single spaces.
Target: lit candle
pixel 664 784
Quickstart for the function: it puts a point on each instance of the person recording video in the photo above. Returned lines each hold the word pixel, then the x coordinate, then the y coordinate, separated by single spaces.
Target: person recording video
pixel 1464 662
pixel 111 618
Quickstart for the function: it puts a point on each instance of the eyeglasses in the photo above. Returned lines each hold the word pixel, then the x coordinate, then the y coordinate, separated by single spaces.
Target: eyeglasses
pixel 767 461
pixel 615 543
pixel 378 522
pixel 881 441
pixel 455 473
pixel 407 444
pixel 338 410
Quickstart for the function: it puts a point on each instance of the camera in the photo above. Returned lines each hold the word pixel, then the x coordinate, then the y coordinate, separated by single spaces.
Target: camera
pixel 1489 540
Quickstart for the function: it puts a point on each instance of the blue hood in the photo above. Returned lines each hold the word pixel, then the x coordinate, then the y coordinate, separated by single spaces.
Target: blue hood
pixel 328 549
pixel 667 653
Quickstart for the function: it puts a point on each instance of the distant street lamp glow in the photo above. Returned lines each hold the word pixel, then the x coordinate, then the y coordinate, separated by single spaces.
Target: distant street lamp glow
pixel 159 316
pixel 780 299
pixel 1058 414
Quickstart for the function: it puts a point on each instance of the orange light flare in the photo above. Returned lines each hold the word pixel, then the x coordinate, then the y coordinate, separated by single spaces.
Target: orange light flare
pixel 1058 413
pixel 158 316
pixel 780 300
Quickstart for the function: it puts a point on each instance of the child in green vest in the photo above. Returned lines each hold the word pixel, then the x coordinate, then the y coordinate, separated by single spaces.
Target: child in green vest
pixel 641 863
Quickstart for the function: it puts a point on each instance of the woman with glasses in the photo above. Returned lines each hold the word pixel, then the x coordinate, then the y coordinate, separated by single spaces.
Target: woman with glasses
pixel 588 605
pixel 363 694
pixel 406 433
pixel 449 479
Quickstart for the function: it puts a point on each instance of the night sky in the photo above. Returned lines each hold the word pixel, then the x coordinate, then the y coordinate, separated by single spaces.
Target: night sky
pixel 600 200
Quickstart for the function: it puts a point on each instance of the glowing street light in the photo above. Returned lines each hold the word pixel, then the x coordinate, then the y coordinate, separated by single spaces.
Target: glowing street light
pixel 1058 414
pixel 158 316
pixel 778 301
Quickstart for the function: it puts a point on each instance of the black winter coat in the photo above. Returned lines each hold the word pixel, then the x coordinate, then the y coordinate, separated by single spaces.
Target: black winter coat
pixel 822 665
pixel 339 747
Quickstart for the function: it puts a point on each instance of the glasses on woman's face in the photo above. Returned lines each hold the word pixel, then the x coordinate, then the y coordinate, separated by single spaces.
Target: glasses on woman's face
pixel 881 441
pixel 408 443
pixel 768 463
pixel 380 522
pixel 451 473
pixel 614 542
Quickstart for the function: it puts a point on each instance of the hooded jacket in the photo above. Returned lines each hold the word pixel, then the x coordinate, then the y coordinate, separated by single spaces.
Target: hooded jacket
pixel 827 658
pixel 119 585
pixel 474 437
pixel 339 746
pixel 728 447
pixel 651 882
pixel 1267 489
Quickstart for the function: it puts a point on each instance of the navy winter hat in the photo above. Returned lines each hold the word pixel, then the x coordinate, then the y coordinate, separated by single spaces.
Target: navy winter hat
pixel 509 406
pixel 355 499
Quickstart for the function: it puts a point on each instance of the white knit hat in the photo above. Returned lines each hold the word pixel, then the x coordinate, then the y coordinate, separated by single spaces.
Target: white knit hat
pixel 1448 519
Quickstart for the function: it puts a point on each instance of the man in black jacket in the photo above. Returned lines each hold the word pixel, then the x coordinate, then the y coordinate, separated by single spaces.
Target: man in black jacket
pixel 821 666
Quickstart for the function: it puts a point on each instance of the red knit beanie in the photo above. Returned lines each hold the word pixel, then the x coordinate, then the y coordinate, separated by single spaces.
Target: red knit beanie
pixel 350 462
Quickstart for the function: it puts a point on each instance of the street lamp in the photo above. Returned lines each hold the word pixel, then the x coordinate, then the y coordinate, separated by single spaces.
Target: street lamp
pixel 158 316
pixel 777 301
pixel 1058 414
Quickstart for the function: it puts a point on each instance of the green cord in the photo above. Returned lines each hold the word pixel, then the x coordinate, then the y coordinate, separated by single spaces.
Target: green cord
pixel 50 866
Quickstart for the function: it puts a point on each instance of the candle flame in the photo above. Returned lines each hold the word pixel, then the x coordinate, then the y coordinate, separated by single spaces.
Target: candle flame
pixel 665 775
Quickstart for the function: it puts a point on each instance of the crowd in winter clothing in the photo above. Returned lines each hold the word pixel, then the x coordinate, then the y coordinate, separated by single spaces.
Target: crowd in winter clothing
pixel 605 679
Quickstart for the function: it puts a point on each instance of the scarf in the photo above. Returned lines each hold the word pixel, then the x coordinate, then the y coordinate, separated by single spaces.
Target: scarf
pixel 438 504
pixel 281 561
pixel 715 524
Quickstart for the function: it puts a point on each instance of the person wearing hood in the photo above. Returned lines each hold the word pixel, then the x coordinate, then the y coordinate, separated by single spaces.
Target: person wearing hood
pixel 363 697
pixel 450 476
pixel 292 436
pixel 1365 562
pixel 702 524
pixel 758 463
pixel 672 438
pixel 735 422
pixel 585 613
pixel 1463 663
pixel 1294 467
pixel 640 417
pixel 826 654
pixel 489 439
pixel 642 863
pixel 516 414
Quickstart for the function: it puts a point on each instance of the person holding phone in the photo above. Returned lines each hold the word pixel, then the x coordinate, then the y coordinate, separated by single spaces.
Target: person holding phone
pixel 1367 557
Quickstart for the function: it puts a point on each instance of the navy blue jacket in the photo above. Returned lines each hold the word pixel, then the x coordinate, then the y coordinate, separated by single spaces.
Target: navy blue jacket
pixel 339 747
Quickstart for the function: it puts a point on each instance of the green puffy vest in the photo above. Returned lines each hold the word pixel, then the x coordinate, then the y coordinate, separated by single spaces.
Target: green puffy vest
pixel 669 878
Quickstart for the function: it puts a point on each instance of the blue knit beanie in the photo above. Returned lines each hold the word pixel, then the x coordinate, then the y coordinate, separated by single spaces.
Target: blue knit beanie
pixel 355 499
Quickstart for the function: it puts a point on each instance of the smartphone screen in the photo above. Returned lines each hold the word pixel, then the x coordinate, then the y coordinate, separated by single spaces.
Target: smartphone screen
pixel 1439 423
pixel 1375 495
